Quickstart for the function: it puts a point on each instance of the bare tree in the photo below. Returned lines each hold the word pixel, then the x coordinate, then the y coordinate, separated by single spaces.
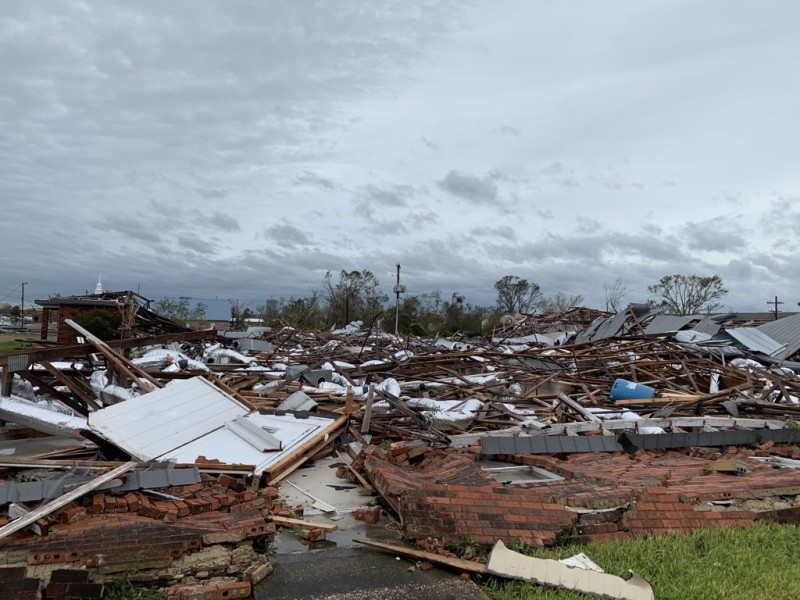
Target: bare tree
pixel 354 295
pixel 688 294
pixel 516 295
pixel 615 294
pixel 559 303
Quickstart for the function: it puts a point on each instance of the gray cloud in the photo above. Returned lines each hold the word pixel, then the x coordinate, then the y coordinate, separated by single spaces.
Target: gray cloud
pixel 500 231
pixel 224 222
pixel 477 190
pixel 716 235
pixel 508 130
pixel 309 178
pixel 190 147
pixel 389 196
pixel 287 235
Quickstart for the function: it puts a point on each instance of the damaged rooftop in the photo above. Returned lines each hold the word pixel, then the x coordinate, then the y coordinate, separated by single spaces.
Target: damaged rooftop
pixel 188 448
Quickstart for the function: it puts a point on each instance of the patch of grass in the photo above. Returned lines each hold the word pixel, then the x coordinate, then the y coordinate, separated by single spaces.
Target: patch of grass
pixel 124 588
pixel 750 563
pixel 11 345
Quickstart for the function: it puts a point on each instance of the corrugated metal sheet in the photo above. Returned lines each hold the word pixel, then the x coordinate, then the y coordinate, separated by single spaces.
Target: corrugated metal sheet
pixel 709 325
pixel 786 331
pixel 756 340
pixel 668 323
pixel 152 424
pixel 603 328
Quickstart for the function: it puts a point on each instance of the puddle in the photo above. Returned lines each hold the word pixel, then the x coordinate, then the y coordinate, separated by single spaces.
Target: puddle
pixel 387 530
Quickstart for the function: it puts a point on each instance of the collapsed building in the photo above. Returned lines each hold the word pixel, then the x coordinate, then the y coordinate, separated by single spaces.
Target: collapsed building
pixel 166 448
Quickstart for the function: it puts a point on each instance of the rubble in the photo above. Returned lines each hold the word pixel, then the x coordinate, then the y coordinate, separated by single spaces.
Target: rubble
pixel 604 426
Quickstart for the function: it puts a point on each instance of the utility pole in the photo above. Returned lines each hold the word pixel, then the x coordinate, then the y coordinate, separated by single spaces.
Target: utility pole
pixel 22 305
pixel 775 303
pixel 398 289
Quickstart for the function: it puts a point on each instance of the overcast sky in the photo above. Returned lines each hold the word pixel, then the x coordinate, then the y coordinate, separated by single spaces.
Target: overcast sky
pixel 242 149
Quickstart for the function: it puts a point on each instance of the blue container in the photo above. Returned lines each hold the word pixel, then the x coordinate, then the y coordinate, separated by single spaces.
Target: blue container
pixel 630 390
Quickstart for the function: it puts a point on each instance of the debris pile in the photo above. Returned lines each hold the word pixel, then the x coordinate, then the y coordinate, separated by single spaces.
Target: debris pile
pixel 585 426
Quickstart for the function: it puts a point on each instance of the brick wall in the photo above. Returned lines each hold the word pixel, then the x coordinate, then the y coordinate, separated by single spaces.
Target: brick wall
pixel 448 496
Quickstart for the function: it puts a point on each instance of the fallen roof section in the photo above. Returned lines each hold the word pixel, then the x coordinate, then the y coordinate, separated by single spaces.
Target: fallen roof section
pixel 151 425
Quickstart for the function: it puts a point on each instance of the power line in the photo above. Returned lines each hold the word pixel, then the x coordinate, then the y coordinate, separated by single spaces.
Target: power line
pixel 12 291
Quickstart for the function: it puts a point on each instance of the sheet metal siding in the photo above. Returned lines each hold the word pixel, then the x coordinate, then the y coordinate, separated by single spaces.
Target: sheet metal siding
pixel 606 328
pixel 150 425
pixel 708 325
pixel 756 340
pixel 668 323
pixel 786 331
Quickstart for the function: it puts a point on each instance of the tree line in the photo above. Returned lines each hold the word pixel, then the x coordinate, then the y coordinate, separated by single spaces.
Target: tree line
pixel 350 296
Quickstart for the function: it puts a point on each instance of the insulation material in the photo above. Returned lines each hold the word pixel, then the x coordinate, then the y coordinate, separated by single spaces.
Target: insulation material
pixel 29 414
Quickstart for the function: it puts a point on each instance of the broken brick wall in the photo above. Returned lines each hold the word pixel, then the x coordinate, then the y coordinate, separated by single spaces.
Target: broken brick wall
pixel 604 496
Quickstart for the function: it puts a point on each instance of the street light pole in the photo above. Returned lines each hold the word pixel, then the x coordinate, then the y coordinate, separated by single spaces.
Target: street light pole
pixel 22 305
pixel 398 289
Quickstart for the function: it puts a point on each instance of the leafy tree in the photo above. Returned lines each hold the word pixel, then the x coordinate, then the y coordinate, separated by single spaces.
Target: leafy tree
pixel 515 295
pixel 687 294
pixel 559 303
pixel 615 294
pixel 303 313
pixel 102 323
pixel 422 314
pixel 178 310
pixel 354 295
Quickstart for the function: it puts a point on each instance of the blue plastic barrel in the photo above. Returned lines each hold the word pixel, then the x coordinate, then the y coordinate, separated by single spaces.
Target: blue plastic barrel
pixel 630 390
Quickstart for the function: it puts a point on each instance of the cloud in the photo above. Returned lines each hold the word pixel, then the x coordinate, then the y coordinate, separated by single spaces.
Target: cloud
pixel 313 179
pixel 429 143
pixel 473 189
pixel 212 193
pixel 136 229
pixel 287 235
pixel 721 234
pixel 224 222
pixel 191 147
pixel 501 231
pixel 508 130
pixel 393 196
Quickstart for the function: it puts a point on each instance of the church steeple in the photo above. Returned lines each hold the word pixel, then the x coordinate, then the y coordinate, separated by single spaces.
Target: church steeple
pixel 98 289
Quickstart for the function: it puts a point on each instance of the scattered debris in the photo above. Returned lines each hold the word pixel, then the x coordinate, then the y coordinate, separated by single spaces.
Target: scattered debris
pixel 607 425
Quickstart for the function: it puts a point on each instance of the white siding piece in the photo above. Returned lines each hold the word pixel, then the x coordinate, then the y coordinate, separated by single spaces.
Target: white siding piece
pixel 256 436
pixel 224 445
pixel 545 571
pixel 155 423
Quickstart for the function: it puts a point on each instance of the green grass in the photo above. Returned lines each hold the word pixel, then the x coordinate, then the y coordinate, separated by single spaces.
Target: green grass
pixel 761 562
pixel 11 345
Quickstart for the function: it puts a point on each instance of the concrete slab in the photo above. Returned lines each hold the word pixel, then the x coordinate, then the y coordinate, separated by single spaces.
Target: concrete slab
pixel 320 481
pixel 360 574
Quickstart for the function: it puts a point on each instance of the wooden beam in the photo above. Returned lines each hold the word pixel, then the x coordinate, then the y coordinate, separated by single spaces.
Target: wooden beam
pixel 365 420
pixel 130 370
pixel 76 389
pixel 295 458
pixel 364 483
pixel 8 377
pixel 57 352
pixel 68 401
pixel 301 524
pixel 578 408
pixel 62 501
pixel 18 510
pixel 447 561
